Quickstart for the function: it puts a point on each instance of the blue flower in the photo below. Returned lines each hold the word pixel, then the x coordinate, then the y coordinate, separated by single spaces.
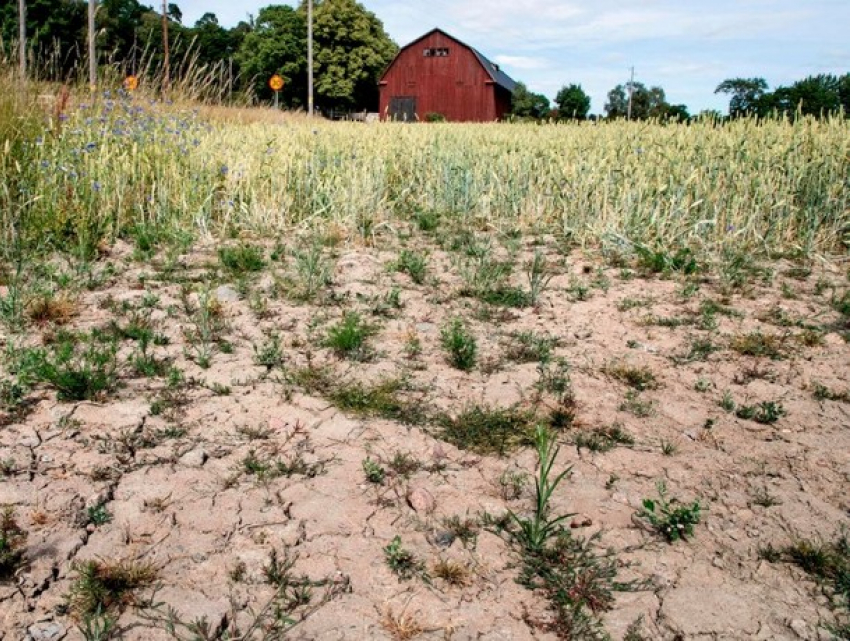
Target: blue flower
pixel 96 186
pixel 91 146
pixel 224 170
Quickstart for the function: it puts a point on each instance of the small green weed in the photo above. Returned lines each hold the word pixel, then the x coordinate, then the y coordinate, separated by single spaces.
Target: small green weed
pixel 512 484
pixel 348 338
pixel 603 439
pixel 242 259
pixel 528 347
pixel 79 372
pixel 758 344
pixel 413 264
pixel 404 563
pixel 669 517
pixel 270 353
pixel 638 378
pixel 535 531
pixel 463 529
pixel 824 393
pixel 766 412
pixel 460 344
pixel 635 405
pixel 403 464
pixel 539 276
pixel 374 472
pixel 12 538
pixel 659 261
pixel 313 272
pixel 98 515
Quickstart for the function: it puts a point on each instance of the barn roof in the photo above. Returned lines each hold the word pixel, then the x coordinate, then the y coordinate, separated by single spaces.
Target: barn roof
pixel 496 74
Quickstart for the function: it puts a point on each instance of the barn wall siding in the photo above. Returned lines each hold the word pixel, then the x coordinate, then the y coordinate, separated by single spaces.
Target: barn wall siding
pixel 455 86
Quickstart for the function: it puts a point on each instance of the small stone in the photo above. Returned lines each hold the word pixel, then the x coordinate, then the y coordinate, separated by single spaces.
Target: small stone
pixel 226 294
pixel 46 631
pixel 800 628
pixel 717 562
pixel 194 458
pixel 421 500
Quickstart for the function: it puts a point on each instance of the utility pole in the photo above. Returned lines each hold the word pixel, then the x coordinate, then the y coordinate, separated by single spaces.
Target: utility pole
pixel 631 91
pixel 22 39
pixel 166 67
pixel 92 48
pixel 310 58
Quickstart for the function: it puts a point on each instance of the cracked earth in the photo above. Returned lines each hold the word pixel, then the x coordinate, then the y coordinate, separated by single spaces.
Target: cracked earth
pixel 185 472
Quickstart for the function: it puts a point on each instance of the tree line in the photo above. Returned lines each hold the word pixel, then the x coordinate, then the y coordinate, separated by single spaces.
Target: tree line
pixel 820 95
pixel 351 48
pixel 351 51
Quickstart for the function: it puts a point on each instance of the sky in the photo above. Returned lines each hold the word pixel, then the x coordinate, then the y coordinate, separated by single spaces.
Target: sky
pixel 685 46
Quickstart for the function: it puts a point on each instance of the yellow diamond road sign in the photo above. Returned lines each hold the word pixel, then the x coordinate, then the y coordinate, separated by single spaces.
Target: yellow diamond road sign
pixel 276 83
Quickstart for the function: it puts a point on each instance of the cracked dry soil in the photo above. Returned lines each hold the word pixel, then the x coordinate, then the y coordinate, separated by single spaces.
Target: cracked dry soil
pixel 203 480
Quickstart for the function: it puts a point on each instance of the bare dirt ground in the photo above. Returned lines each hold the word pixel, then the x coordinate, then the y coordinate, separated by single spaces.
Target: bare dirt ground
pixel 190 482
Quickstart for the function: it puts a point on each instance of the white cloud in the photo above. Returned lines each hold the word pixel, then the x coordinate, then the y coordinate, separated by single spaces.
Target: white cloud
pixel 523 62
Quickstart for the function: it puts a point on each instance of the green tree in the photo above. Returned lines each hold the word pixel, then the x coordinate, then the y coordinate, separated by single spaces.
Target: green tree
pixel 747 95
pixel 214 43
pixel 121 30
pixel 572 102
pixel 813 96
pixel 276 44
pixel 646 103
pixel 54 30
pixel 351 51
pixel 526 104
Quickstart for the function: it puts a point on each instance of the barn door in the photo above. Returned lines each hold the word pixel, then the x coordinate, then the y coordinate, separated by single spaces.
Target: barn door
pixel 403 108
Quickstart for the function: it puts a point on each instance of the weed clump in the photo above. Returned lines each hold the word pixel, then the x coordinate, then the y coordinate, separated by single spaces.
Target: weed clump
pixel 78 372
pixel 489 431
pixel 381 399
pixel 12 538
pixel 758 344
pixel 638 378
pixel 242 259
pixel 348 338
pixel 102 586
pixel 670 518
pixel 460 344
pixel 404 563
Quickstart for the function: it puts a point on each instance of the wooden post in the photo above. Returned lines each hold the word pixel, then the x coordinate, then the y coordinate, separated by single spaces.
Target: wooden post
pixel 166 67
pixel 92 48
pixel 22 38
pixel 310 58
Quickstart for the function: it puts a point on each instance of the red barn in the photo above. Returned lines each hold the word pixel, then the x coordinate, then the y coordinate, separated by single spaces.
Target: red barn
pixel 438 74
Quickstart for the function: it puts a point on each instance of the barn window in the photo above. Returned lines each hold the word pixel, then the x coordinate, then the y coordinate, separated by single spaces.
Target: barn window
pixel 435 52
